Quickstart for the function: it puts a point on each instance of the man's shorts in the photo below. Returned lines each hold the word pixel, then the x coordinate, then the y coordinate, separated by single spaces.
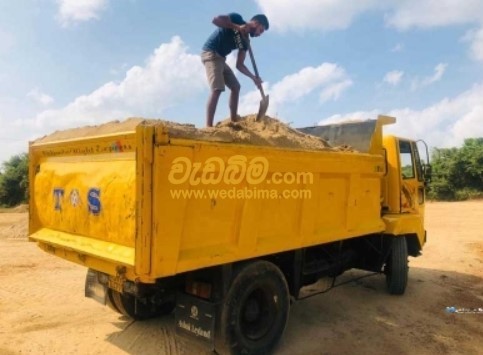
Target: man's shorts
pixel 218 72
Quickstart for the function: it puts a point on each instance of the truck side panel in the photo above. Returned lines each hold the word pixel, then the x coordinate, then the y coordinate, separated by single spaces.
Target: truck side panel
pixel 83 200
pixel 91 198
pixel 195 231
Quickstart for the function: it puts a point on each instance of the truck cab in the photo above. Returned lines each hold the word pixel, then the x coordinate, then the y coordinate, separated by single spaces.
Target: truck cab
pixel 405 178
pixel 404 194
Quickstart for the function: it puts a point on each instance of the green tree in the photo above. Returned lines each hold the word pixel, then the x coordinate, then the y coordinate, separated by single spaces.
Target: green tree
pixel 14 181
pixel 470 164
pixel 458 172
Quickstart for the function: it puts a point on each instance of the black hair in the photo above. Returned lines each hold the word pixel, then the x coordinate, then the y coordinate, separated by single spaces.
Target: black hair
pixel 262 20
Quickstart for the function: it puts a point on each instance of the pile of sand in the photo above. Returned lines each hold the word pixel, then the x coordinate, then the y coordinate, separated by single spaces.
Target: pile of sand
pixel 247 130
pixel 265 132
pixel 128 125
pixel 22 208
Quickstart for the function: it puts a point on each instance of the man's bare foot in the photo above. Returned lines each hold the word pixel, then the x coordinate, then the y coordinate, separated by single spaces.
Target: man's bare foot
pixel 238 118
pixel 235 125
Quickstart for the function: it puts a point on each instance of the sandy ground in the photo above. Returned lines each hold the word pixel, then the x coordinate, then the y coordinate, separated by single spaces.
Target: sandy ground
pixel 43 310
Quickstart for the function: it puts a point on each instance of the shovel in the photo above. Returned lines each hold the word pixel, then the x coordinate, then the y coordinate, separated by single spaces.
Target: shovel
pixel 264 102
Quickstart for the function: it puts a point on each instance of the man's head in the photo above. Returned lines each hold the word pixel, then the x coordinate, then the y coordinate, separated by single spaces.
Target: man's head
pixel 259 24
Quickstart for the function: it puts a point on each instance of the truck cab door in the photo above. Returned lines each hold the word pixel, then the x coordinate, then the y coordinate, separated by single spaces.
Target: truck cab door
pixel 412 179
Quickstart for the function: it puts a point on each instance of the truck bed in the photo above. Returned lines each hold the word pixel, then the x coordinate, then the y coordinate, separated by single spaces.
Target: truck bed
pixel 121 200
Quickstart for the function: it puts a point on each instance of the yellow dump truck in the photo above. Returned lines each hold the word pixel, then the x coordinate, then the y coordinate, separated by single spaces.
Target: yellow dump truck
pixel 226 234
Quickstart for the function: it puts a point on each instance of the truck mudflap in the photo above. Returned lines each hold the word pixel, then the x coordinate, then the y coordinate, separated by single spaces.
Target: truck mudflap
pixel 94 289
pixel 195 320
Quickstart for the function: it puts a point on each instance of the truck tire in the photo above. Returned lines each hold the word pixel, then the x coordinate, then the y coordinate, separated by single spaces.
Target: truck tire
pixel 255 311
pixel 127 305
pixel 110 301
pixel 396 269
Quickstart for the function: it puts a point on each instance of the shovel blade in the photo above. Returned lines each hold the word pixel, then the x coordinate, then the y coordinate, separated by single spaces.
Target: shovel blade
pixel 263 107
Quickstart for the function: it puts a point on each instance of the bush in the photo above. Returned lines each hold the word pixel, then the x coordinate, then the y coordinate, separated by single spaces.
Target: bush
pixel 468 194
pixel 458 172
pixel 14 181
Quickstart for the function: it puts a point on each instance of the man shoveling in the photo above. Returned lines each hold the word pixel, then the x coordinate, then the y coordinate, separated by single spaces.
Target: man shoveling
pixel 232 33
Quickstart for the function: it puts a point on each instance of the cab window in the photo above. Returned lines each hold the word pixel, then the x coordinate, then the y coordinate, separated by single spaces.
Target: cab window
pixel 407 165
pixel 419 167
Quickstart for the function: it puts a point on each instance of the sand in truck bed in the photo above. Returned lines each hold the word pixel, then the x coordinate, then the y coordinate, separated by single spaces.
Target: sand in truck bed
pixel 267 131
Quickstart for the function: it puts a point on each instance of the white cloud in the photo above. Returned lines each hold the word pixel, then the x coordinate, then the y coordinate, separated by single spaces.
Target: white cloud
pixel 285 15
pixel 72 11
pixel 118 70
pixel 335 14
pixel 250 102
pixel 328 79
pixel 444 124
pixel 307 80
pixel 393 77
pixel 169 76
pixel 333 91
pixel 475 37
pixel 14 136
pixel 40 98
pixel 430 13
pixel 470 125
pixel 439 71
pixel 231 61
pixel 326 15
pixel 397 48
pixel 353 116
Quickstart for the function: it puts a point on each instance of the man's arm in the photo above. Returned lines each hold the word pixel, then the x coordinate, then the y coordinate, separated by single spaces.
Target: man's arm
pixel 224 21
pixel 240 65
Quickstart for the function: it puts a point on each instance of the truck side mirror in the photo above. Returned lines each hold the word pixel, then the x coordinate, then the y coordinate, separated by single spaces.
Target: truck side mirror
pixel 427 173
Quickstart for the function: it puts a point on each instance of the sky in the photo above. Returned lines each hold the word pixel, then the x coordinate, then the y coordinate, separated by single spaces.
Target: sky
pixel 71 63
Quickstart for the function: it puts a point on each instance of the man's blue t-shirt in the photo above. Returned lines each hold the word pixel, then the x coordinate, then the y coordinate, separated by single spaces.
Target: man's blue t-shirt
pixel 224 40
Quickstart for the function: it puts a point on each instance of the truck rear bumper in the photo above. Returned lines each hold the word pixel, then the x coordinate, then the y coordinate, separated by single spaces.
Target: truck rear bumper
pixel 100 249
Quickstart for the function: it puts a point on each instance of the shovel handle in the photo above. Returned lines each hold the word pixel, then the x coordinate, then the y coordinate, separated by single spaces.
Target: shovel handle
pixel 255 69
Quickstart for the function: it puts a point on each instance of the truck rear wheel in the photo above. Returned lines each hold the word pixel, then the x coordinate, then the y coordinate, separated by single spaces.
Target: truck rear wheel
pixel 396 268
pixel 255 311
pixel 129 306
pixel 110 301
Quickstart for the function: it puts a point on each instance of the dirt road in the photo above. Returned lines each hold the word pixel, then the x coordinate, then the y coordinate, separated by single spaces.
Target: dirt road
pixel 43 310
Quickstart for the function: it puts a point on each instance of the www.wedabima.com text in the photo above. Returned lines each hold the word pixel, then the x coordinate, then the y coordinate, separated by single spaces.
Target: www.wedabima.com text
pixel 240 194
